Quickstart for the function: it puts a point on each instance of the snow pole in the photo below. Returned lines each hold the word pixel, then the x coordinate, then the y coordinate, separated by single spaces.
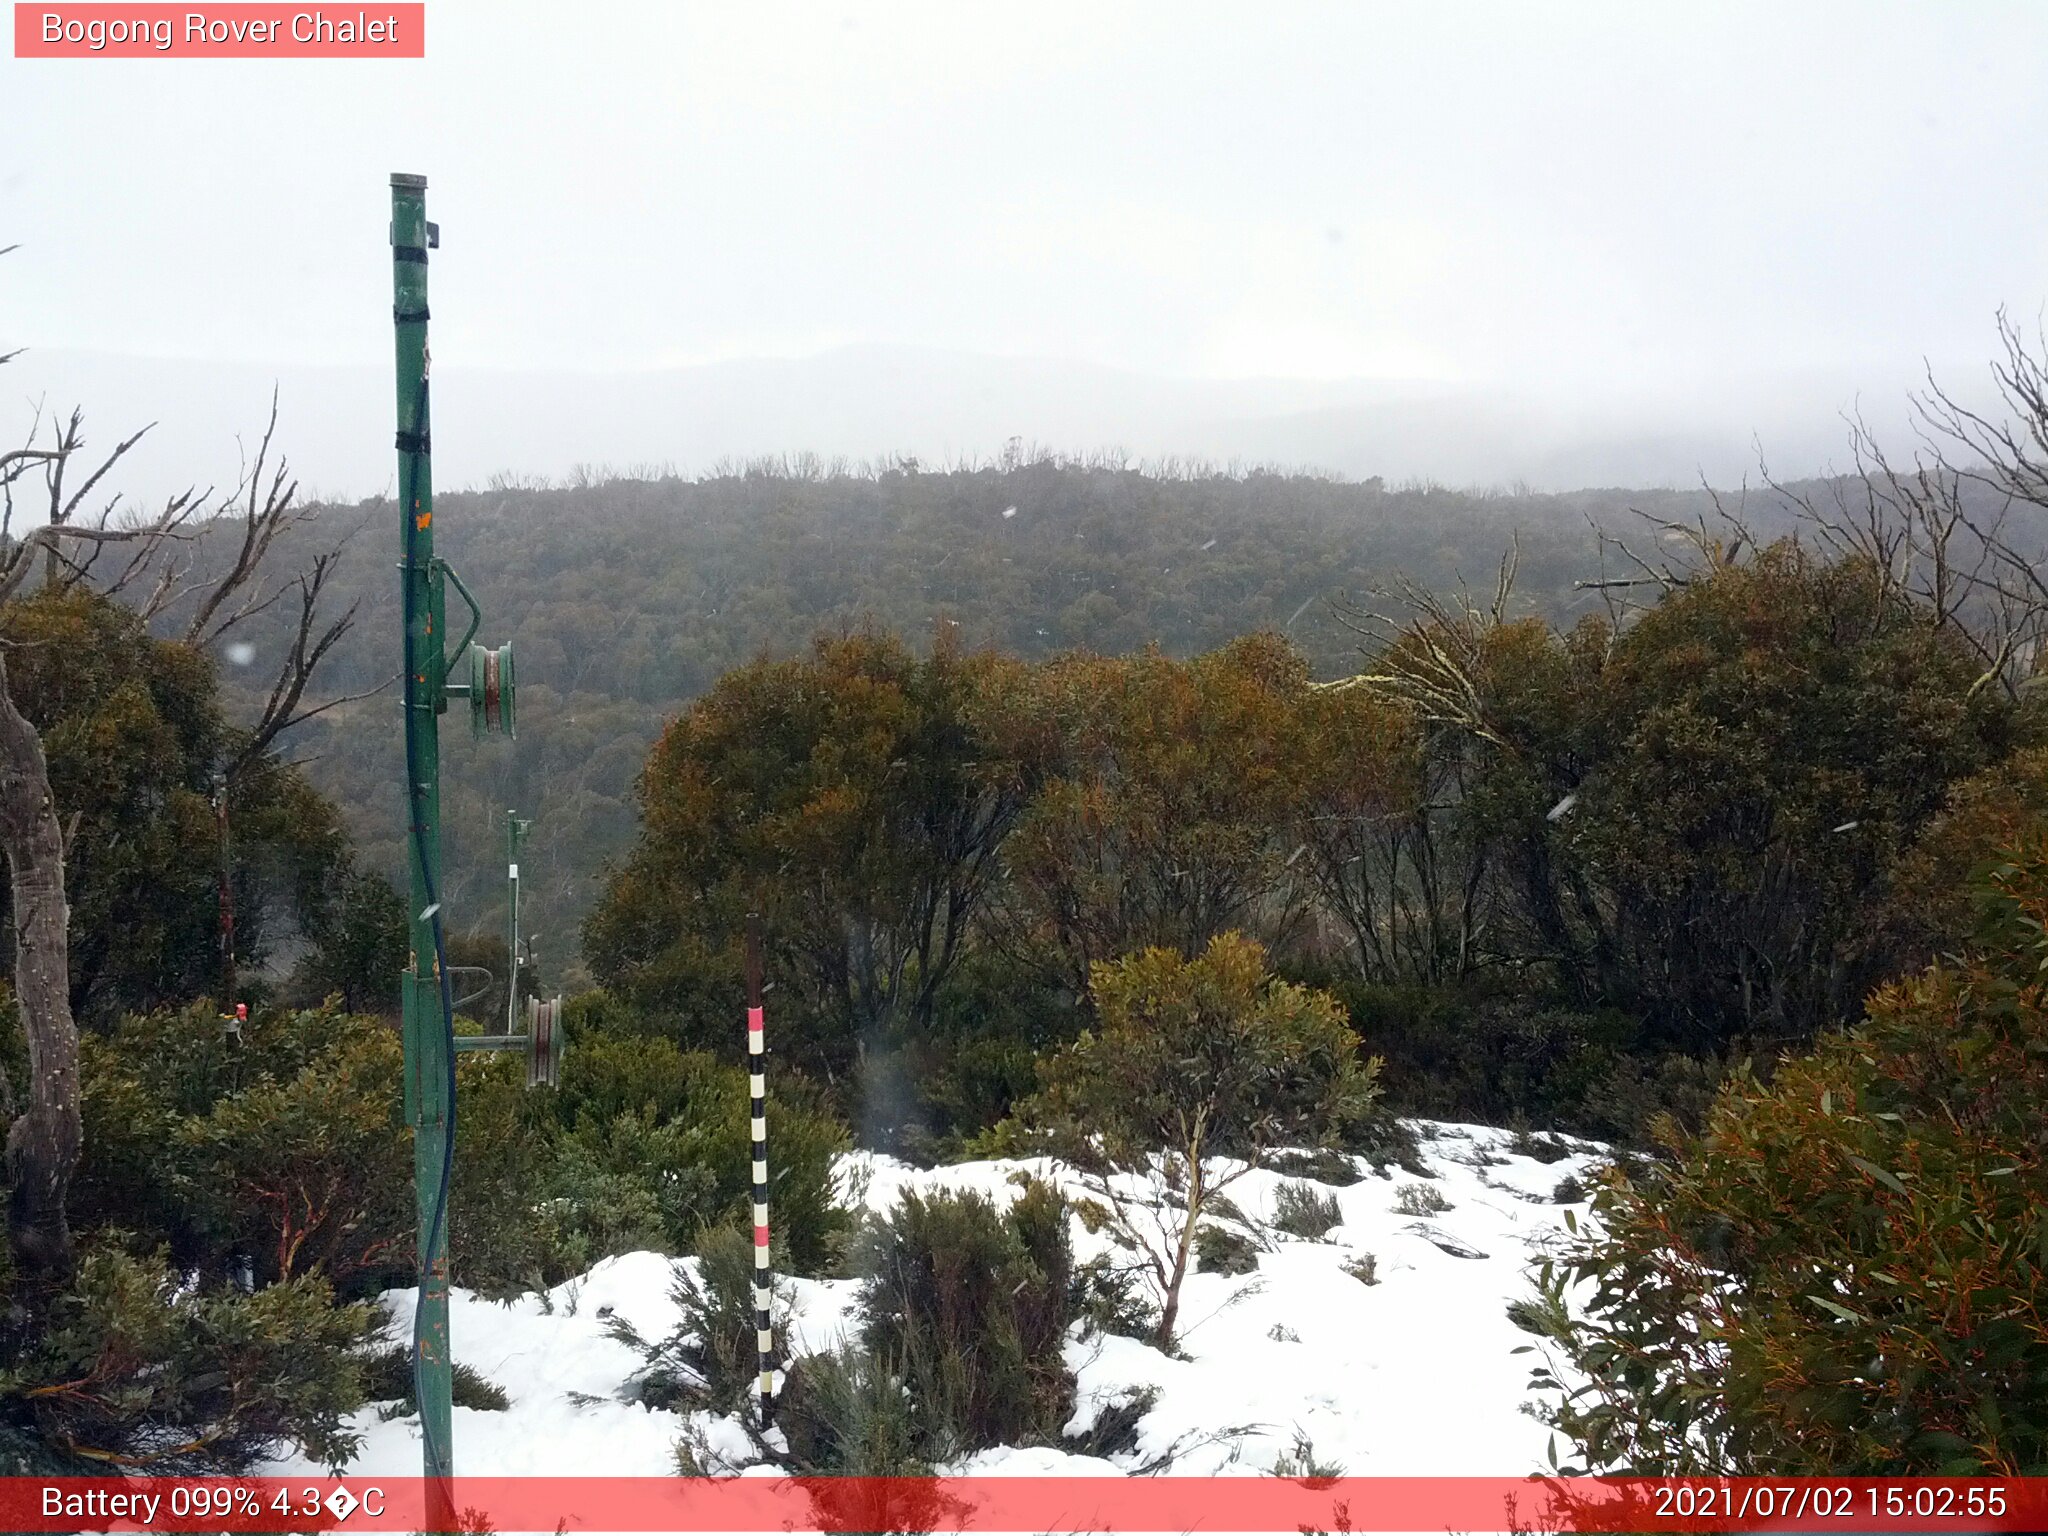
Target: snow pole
pixel 757 1087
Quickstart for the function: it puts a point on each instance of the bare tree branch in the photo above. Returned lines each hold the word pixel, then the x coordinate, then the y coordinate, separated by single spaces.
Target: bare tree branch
pixel 157 575
pixel 1937 531
pixel 51 537
pixel 311 641
pixel 267 511
pixel 1435 661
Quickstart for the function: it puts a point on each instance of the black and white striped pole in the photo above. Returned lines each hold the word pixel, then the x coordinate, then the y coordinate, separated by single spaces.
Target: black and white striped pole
pixel 757 1087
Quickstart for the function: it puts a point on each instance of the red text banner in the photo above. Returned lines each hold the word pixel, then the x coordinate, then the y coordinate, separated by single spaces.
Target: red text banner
pixel 232 31
pixel 1025 1504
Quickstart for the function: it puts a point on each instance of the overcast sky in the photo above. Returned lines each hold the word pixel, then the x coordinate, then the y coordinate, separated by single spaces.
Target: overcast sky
pixel 1578 203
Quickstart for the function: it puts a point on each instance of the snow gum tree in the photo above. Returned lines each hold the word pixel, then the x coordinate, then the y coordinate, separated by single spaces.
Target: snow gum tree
pixel 857 798
pixel 1195 1074
pixel 1166 818
pixel 198 570
pixel 1847 1272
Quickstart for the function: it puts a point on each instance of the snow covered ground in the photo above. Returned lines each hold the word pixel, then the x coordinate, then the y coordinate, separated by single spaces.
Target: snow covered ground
pixel 1412 1376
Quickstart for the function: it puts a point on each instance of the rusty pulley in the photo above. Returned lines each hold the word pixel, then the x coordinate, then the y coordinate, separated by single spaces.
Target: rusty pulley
pixel 543 1041
pixel 491 693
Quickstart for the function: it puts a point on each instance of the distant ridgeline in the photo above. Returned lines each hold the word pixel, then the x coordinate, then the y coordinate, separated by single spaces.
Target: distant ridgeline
pixel 624 599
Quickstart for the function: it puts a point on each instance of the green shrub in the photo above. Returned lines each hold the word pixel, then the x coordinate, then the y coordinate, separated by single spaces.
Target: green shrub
pixel 1325 1165
pixel 712 1359
pixel 1302 1210
pixel 1419 1200
pixel 1220 1251
pixel 1569 1191
pixel 286 1153
pixel 1844 1274
pixel 499 1240
pixel 310 1174
pixel 1381 1137
pixel 1365 1268
pixel 1543 1148
pixel 289 1154
pixel 282 1162
pixel 1747 756
pixel 356 943
pixel 994 1020
pixel 665 1132
pixel 1930 901
pixel 1113 1300
pixel 1011 1138
pixel 964 1315
pixel 849 1414
pixel 598 1013
pixel 1114 1429
pixel 1626 1103
pixel 1198 1060
pixel 609 1074
pixel 388 1378
pixel 642 1146
pixel 1465 1053
pixel 850 1425
pixel 1301 1461
pixel 138 1370
pixel 971 1306
pixel 618 1186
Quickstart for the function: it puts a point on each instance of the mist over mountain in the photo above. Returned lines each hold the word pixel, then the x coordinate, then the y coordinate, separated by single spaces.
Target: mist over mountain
pixel 871 402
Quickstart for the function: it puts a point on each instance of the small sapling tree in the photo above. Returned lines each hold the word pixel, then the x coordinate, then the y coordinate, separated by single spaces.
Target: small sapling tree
pixel 1198 1072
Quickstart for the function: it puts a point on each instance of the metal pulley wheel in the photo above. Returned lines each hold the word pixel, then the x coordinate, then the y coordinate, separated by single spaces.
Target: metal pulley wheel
pixel 490 691
pixel 543 1041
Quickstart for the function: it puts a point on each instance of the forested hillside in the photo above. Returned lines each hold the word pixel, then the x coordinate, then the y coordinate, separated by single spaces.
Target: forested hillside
pixel 1272 753
pixel 626 598
pixel 1617 851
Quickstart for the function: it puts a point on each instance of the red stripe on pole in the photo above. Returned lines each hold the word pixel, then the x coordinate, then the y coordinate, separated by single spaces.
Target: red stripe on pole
pixel 760 1237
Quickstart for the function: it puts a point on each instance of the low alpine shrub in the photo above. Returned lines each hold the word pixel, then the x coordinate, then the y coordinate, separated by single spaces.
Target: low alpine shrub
pixel 1302 1210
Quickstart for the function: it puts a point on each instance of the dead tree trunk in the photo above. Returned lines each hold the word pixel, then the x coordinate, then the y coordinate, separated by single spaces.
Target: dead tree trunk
pixel 43 1143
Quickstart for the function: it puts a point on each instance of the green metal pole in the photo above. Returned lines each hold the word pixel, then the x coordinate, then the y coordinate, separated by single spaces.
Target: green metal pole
pixel 514 830
pixel 428 1057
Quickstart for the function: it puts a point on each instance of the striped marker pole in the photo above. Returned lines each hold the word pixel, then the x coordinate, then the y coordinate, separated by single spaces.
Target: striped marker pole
pixel 757 1086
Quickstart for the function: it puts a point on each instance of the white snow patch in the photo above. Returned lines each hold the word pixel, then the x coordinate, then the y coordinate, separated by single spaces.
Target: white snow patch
pixel 1411 1376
